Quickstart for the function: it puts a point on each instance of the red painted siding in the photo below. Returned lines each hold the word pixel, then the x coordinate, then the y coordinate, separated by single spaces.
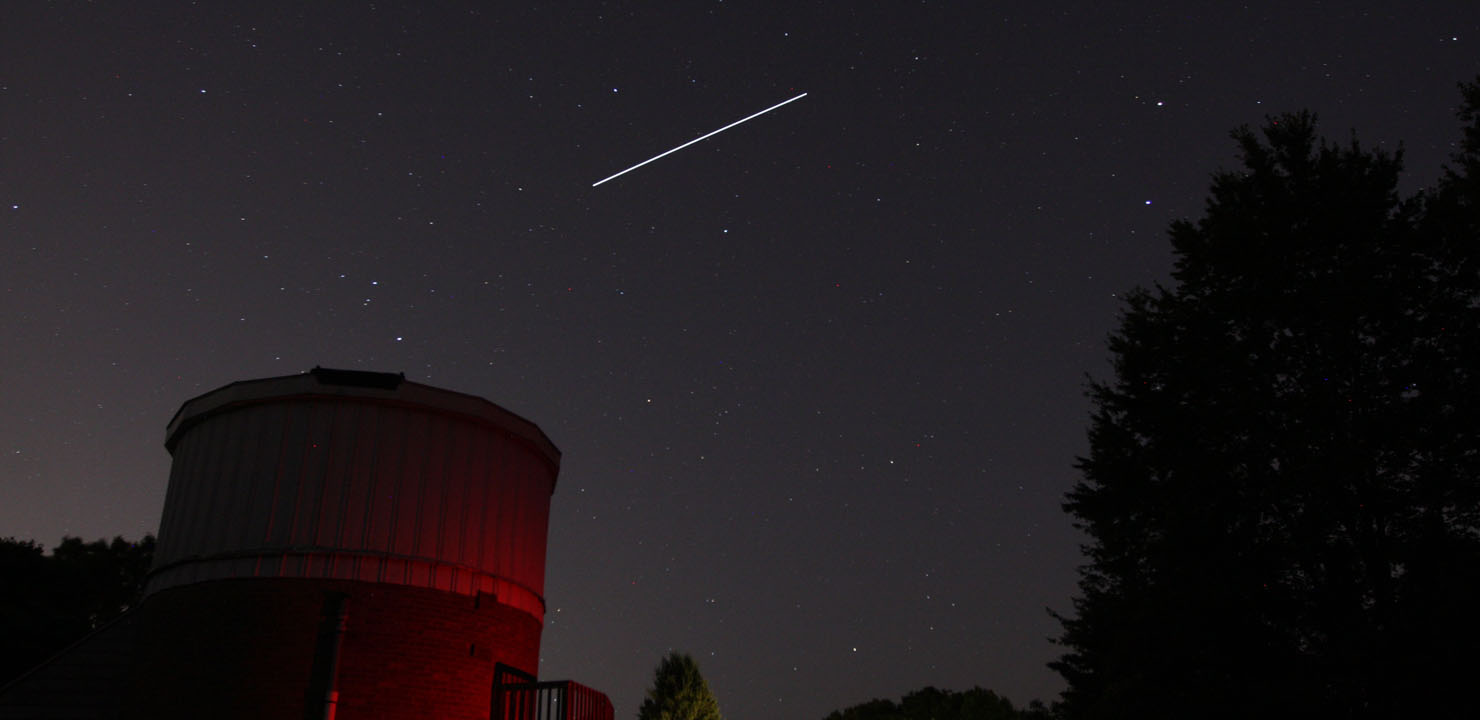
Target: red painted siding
pixel 244 649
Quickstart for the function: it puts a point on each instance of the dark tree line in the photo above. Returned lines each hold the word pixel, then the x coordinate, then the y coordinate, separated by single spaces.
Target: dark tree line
pixel 1282 492
pixel 48 602
pixel 933 704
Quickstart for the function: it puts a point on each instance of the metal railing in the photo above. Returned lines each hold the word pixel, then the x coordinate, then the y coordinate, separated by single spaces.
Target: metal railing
pixel 516 697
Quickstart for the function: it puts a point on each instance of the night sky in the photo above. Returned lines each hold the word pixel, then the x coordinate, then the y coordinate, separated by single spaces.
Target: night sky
pixel 818 379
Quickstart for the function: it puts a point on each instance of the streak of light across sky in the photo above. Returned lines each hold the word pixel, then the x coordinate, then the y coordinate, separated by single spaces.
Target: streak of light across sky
pixel 697 139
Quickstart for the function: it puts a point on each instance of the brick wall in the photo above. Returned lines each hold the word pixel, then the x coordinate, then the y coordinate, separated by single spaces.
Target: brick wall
pixel 245 649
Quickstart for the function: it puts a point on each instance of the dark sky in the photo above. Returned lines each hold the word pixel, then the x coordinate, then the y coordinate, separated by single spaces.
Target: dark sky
pixel 818 379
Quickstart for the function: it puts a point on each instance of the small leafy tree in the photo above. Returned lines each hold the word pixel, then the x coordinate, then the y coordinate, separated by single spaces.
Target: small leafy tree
pixel 679 692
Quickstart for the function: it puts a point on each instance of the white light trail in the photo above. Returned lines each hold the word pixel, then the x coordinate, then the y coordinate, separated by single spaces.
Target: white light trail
pixel 697 139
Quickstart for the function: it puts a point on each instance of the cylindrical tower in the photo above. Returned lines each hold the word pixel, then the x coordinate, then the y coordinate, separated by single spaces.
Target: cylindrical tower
pixel 344 543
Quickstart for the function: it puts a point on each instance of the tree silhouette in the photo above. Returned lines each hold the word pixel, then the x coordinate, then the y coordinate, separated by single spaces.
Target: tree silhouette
pixel 48 602
pixel 1281 487
pixel 679 692
pixel 933 704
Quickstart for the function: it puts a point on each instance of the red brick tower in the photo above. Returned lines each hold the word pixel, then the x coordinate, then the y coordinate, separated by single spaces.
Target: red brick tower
pixel 343 544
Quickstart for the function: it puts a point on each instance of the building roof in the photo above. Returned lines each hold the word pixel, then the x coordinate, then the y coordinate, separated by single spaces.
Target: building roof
pixel 358 386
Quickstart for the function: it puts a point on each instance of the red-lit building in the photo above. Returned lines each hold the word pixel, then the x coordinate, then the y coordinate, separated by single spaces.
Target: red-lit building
pixel 333 544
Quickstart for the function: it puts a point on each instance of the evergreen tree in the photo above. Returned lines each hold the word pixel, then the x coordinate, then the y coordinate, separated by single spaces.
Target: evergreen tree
pixel 679 692
pixel 1281 488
